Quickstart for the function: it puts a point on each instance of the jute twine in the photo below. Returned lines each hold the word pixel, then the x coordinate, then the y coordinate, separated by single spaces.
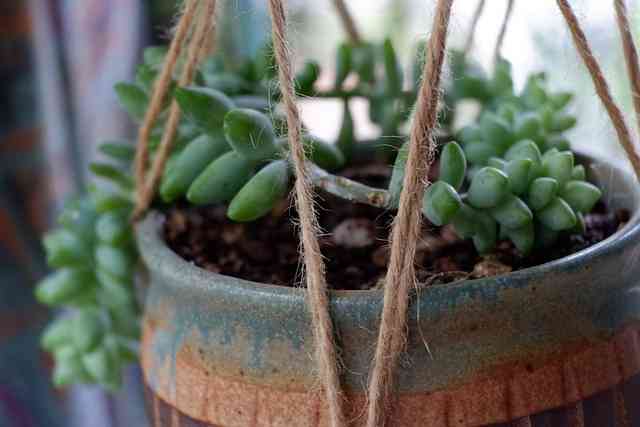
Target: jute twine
pixel 601 86
pixel 468 44
pixel 630 55
pixel 347 21
pixel 400 276
pixel 196 51
pixel 313 263
pixel 503 30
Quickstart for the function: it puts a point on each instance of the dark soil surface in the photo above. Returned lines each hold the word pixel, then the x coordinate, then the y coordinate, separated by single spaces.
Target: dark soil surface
pixel 354 245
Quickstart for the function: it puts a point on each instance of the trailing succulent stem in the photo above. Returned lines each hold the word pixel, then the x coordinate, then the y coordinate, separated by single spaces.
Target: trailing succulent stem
pixel 511 175
pixel 93 255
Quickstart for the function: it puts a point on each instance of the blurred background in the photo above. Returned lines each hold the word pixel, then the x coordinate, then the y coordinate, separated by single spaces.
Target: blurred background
pixel 59 61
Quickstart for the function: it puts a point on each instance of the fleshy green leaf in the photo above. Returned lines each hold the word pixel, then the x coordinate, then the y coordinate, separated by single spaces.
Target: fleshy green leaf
pixel 133 99
pixel 250 134
pixel 87 329
pixel 307 77
pixel 221 180
pixel 581 195
pixel 204 107
pixel 518 171
pixel 496 131
pixel 62 286
pixel 488 188
pixel 486 233
pixel 558 215
pixel 343 64
pixel 542 191
pixel 65 248
pixel 190 163
pixel 479 152
pixel 512 213
pixel 327 156
pixel 523 238
pixel 453 165
pixel 392 70
pixel 346 137
pixel 559 166
pixel 397 175
pixel 440 203
pixel 258 197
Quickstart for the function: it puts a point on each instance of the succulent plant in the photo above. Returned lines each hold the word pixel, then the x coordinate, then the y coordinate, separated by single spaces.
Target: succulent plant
pixel 512 176
pixel 93 254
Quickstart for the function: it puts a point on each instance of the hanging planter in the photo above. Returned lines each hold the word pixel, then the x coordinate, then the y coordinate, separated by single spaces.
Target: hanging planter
pixel 522 306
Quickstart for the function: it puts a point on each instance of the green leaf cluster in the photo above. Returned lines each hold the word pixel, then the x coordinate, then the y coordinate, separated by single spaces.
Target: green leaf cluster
pixel 525 196
pixel 93 255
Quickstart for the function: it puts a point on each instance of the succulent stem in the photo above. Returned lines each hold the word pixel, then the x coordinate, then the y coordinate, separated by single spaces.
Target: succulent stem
pixel 348 189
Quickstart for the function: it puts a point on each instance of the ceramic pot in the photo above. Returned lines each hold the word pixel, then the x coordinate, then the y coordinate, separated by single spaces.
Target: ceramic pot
pixel 551 345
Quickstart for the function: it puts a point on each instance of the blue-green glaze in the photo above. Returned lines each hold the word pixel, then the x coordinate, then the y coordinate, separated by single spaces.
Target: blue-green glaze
pixel 262 333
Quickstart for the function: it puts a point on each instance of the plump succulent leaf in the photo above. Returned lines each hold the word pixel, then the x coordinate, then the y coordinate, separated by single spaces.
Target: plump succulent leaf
pixel 558 215
pixel 440 203
pixel 559 166
pixel 464 221
pixel 307 77
pixel 258 196
pixel 346 137
pixel 541 192
pixel 496 131
pixel 204 107
pixel 519 172
pixel 63 285
pixel 133 99
pixel 523 238
pixel 112 229
pixel 512 212
pixel 525 149
pixel 189 164
pixel 65 248
pixel 397 175
pixel 119 151
pixel 579 173
pixel 479 152
pixel 326 155
pixel 251 134
pixel 453 165
pixel 392 70
pixel 221 180
pixel 488 188
pixel 86 330
pixel 343 64
pixel 486 233
pixel 581 195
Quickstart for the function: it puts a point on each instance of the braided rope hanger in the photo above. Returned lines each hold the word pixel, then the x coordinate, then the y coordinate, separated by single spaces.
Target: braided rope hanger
pixel 313 262
pixel 197 50
pixel 400 278
pixel 630 55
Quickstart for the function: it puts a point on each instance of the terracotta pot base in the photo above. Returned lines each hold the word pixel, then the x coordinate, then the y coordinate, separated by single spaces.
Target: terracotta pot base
pixel 615 407
pixel 599 383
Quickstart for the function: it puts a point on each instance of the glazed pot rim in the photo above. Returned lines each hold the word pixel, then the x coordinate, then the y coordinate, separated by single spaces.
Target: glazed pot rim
pixel 170 263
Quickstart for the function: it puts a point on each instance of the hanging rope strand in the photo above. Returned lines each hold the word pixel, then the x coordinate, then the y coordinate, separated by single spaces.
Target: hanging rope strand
pixel 601 86
pixel 160 88
pixel 503 31
pixel 313 263
pixel 400 277
pixel 473 27
pixel 630 55
pixel 348 22
pixel 196 51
